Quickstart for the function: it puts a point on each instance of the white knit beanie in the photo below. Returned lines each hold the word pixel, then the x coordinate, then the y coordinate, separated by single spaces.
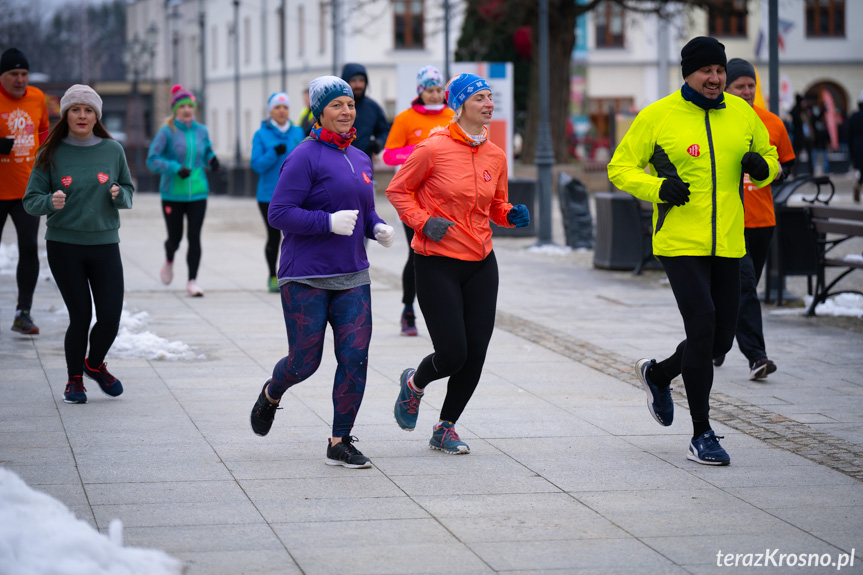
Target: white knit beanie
pixel 81 94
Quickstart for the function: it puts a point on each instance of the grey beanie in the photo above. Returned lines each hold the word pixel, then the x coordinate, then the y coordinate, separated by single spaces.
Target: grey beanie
pixel 737 68
pixel 81 94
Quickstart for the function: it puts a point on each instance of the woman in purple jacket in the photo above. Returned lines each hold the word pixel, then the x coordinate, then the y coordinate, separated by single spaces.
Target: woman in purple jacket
pixel 324 205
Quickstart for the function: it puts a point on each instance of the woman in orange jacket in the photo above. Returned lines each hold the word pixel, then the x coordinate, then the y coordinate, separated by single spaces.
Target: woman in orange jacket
pixel 449 188
pixel 412 126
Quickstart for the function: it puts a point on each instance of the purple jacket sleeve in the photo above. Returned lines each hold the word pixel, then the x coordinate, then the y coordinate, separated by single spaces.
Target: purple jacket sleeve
pixel 295 181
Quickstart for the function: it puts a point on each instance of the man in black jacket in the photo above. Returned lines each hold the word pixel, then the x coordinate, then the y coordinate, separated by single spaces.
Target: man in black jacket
pixel 371 122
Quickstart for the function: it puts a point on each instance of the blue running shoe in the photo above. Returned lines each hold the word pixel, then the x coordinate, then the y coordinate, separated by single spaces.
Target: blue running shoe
pixel 445 439
pixel 109 384
pixel 75 390
pixel 658 398
pixel 407 405
pixel 706 450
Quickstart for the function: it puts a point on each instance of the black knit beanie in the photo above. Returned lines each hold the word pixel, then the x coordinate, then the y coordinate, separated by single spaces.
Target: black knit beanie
pixel 13 59
pixel 737 68
pixel 699 52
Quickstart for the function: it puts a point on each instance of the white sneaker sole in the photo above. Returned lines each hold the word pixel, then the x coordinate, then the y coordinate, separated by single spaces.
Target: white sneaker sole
pixel 448 452
pixel 640 372
pixel 366 465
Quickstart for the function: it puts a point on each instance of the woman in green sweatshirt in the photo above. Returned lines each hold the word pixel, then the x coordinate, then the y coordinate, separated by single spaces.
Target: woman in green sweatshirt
pixel 81 181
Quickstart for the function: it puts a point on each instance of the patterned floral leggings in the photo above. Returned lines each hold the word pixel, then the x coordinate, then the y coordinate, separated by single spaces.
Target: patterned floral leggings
pixel 307 311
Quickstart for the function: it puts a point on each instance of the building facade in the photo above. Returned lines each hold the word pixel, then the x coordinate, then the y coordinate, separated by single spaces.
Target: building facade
pixel 633 59
pixel 235 53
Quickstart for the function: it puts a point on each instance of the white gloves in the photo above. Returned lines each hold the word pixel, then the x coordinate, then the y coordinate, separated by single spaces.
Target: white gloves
pixel 385 235
pixel 342 222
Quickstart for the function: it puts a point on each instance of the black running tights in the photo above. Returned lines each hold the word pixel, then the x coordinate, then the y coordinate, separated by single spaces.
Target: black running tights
pixel 458 300
pixel 274 238
pixel 707 290
pixel 409 283
pixel 78 271
pixel 174 213
pixel 27 229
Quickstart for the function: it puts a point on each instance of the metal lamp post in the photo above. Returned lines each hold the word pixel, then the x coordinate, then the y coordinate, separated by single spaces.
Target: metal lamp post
pixel 138 57
pixel 544 158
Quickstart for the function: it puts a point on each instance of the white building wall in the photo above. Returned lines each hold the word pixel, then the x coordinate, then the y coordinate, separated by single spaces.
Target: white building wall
pixel 366 37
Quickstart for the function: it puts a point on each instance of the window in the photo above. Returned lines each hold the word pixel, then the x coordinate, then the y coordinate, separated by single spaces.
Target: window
pixel 214 50
pixel 608 18
pixel 408 24
pixel 727 18
pixel 229 46
pixel 825 18
pixel 247 44
pixel 322 29
pixel 301 30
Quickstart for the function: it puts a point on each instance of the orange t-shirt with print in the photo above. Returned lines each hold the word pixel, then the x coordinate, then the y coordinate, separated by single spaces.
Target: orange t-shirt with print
pixel 25 119
pixel 758 202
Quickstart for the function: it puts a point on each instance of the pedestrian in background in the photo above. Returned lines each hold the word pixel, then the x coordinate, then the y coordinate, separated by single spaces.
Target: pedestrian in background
pixel 447 190
pixel 307 120
pixel 81 182
pixel 324 203
pixel 24 128
pixel 855 145
pixel 412 126
pixel 181 152
pixel 698 145
pixel 759 222
pixel 371 123
pixel 271 144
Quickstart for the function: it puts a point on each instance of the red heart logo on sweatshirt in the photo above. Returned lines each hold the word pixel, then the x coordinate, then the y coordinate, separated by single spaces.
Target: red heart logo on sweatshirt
pixel 66 181
pixel 366 178
pixel 102 177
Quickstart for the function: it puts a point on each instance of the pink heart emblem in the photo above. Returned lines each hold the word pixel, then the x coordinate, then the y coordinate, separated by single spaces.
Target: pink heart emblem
pixel 102 177
pixel 67 181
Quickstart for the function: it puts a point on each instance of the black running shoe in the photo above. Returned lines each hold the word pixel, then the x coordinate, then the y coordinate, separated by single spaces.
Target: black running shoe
pixel 23 323
pixel 719 360
pixel 263 413
pixel 346 455
pixel 109 384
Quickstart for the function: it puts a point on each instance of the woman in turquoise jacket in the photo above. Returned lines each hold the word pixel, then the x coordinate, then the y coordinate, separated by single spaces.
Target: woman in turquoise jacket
pixel 270 146
pixel 181 152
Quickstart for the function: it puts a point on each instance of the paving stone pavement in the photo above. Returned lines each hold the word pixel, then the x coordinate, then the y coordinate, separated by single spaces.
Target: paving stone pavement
pixel 568 473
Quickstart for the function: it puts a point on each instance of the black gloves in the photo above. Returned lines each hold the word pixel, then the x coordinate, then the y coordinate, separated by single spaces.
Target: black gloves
pixel 756 166
pixel 435 228
pixel 6 145
pixel 214 164
pixel 518 216
pixel 280 149
pixel 374 147
pixel 674 191
pixel 184 172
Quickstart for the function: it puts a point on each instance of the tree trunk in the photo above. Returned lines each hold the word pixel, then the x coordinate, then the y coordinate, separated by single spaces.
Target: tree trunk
pixel 561 40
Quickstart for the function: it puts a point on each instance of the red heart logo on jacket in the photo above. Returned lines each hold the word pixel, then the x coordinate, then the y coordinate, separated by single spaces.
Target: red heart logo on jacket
pixel 102 177
pixel 66 181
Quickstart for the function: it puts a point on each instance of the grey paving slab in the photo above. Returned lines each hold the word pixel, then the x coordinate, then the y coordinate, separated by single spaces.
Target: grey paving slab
pixel 568 472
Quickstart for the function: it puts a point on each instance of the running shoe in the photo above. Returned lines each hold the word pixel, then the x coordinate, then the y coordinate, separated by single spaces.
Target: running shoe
pixel 193 289
pixel 761 369
pixel 263 412
pixel 345 454
pixel 409 324
pixel 166 274
pixel 407 405
pixel 23 323
pixel 444 438
pixel 706 449
pixel 719 360
pixel 109 384
pixel 75 390
pixel 659 401
pixel 273 284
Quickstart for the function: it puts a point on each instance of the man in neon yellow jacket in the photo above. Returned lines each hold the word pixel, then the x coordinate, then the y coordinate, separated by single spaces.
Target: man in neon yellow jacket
pixel 698 143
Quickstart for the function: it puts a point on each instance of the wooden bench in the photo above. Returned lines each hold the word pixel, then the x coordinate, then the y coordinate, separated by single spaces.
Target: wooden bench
pixel 833 226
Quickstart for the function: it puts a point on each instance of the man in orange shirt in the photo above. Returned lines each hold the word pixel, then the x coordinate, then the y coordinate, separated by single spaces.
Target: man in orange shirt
pixel 759 222
pixel 23 126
